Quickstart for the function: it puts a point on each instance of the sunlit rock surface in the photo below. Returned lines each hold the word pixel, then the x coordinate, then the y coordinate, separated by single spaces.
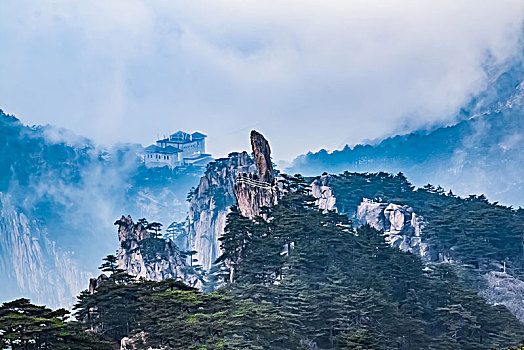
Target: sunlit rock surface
pixel 253 196
pixel 94 283
pixel 401 226
pixel 136 342
pixel 320 189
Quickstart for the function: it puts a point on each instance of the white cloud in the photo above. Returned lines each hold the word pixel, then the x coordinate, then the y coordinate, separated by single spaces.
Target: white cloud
pixel 309 74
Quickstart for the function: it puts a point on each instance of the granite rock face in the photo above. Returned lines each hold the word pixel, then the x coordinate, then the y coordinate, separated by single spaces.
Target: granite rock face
pixel 252 195
pixel 210 204
pixel 401 226
pixel 325 199
pixel 31 264
pixel 94 283
pixel 151 258
pixel 226 182
pixel 262 154
pixel 137 341
pixel 504 289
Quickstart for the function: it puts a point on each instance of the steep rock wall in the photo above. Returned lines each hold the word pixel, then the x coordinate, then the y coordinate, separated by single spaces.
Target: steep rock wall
pixel 320 189
pixel 210 205
pixel 151 258
pixel 30 264
pixel 252 196
pixel 262 154
pixel 502 288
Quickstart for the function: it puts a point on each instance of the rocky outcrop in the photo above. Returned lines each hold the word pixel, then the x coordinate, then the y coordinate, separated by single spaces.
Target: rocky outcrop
pixel 94 283
pixel 401 226
pixel 262 154
pixel 30 263
pixel 252 194
pixel 137 341
pixel 210 203
pixel 504 289
pixel 147 257
pixel 239 180
pixel 320 189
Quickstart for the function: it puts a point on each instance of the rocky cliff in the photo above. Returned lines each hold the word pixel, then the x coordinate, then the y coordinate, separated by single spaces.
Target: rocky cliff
pixel 210 203
pixel 238 179
pixel 401 226
pixel 320 189
pixel 502 288
pixel 144 256
pixel 31 265
pixel 253 194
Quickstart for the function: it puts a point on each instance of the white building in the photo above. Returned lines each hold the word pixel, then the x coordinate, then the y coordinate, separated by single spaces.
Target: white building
pixel 179 149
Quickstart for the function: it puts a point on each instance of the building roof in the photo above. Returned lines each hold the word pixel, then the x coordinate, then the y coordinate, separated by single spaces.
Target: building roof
pixel 180 136
pixel 198 135
pixel 164 150
pixel 183 137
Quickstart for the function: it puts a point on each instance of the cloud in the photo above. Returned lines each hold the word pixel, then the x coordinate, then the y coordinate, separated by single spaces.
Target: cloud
pixel 308 74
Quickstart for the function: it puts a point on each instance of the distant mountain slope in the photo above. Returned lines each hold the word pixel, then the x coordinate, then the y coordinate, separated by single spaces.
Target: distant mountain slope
pixel 59 196
pixel 483 153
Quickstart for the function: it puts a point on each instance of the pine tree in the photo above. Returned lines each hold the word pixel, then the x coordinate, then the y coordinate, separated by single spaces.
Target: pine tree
pixel 110 264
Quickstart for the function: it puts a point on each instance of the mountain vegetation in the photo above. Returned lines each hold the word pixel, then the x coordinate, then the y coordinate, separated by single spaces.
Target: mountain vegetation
pixel 24 326
pixel 298 278
pixel 470 231
pixel 303 279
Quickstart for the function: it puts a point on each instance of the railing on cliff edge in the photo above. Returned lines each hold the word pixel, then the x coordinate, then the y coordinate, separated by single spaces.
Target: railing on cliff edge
pixel 255 183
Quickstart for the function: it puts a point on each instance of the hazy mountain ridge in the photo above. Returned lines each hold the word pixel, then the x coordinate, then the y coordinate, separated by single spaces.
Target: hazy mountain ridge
pixel 480 154
pixel 70 191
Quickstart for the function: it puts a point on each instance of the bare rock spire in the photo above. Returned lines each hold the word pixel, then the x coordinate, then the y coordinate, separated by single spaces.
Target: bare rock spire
pixel 262 154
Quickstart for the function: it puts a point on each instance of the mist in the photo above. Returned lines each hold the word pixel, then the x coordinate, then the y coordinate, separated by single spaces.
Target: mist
pixel 59 197
pixel 305 75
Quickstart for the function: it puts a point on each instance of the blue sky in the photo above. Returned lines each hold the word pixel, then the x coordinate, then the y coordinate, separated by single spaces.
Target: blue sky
pixel 308 74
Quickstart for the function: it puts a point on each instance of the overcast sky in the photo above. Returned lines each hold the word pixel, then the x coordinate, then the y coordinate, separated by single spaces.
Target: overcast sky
pixel 307 74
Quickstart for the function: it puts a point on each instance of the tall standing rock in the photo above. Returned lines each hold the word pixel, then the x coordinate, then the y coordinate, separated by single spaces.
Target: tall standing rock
pixel 252 196
pixel 262 154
